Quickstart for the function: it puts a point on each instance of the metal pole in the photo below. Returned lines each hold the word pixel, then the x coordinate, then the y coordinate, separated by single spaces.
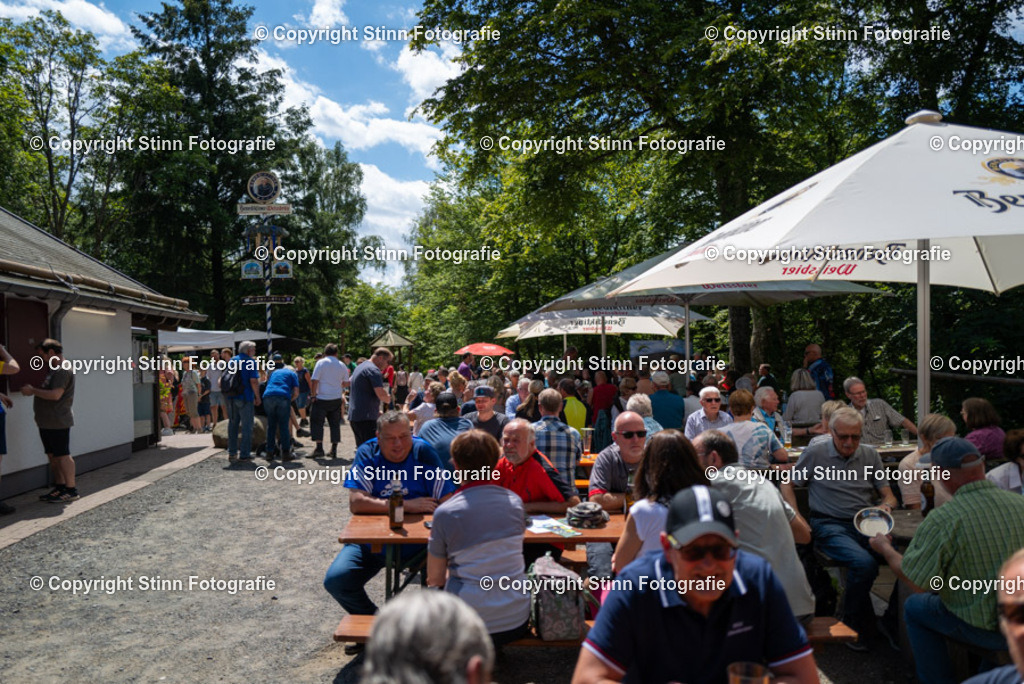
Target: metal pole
pixel 266 291
pixel 924 333
pixel 686 341
pixel 604 349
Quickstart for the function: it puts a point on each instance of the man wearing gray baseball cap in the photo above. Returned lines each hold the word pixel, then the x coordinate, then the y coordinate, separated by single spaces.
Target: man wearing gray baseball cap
pixel 699 590
pixel 957 548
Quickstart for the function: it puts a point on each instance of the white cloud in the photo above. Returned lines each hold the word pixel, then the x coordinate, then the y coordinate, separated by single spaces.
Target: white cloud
pixel 328 13
pixel 109 30
pixel 392 206
pixel 424 72
pixel 358 126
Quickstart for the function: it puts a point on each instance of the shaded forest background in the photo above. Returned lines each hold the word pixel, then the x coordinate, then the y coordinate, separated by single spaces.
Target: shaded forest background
pixel 614 69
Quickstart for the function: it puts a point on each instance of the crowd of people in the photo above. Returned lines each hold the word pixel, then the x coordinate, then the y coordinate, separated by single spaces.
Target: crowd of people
pixel 684 458
pixel 747 531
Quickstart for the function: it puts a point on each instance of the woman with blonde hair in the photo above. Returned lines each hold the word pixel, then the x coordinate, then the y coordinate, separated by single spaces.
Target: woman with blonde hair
pixel 933 428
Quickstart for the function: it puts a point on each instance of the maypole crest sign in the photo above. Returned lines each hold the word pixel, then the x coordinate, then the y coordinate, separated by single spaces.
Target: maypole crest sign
pixel 264 188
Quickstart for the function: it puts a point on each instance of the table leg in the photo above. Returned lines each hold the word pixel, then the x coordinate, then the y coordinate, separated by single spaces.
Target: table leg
pixel 391 571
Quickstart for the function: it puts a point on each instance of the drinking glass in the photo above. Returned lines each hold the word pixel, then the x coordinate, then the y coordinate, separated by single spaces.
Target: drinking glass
pixel 747 673
pixel 888 438
pixel 588 440
pixel 787 435
pixel 904 437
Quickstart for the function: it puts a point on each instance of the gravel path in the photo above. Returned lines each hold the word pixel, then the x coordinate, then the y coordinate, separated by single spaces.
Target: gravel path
pixel 213 520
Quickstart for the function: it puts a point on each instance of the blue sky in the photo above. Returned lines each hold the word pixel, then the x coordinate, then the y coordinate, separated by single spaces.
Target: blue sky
pixel 359 92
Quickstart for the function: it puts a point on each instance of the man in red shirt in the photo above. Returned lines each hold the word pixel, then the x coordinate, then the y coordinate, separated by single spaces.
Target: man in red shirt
pixel 530 474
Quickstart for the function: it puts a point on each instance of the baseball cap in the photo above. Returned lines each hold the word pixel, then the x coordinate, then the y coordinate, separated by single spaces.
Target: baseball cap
pixel 445 401
pixel 696 511
pixel 955 452
pixel 484 391
pixel 277 357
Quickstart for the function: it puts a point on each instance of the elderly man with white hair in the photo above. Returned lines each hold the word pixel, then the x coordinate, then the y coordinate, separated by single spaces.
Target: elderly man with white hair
pixel 710 416
pixel 669 408
pixel 522 392
pixel 842 477
pixel 766 409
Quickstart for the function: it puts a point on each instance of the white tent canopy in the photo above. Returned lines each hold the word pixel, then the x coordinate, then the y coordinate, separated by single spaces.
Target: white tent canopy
pixel 187 339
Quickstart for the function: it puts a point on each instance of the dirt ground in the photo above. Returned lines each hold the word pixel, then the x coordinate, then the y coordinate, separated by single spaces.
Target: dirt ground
pixel 215 520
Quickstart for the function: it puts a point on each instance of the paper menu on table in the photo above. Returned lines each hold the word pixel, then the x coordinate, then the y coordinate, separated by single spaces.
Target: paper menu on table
pixel 545 524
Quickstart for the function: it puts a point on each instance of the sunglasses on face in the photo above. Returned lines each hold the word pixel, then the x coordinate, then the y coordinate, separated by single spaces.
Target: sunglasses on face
pixel 843 438
pixel 630 434
pixel 695 554
pixel 715 400
pixel 1012 612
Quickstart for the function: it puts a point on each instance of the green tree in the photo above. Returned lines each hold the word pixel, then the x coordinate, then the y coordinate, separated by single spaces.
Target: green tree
pixel 58 68
pixel 189 205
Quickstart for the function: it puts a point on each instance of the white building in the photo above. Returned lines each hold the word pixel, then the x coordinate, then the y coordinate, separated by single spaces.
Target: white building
pixel 50 289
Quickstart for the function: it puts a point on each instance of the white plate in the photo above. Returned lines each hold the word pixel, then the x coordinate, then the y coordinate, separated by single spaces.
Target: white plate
pixel 872 521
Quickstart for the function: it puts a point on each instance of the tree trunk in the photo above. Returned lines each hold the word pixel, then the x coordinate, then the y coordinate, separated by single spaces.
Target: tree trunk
pixel 739 338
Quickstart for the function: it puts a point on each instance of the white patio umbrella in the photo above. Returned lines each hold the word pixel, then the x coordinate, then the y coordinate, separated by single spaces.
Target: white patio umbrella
pixel 603 293
pixel 962 211
pixel 621 320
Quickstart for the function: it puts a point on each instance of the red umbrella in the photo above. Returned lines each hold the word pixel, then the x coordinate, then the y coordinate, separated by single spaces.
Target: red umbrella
pixel 484 349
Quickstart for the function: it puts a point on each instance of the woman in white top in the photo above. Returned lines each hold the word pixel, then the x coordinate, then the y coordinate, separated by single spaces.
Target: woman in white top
pixel 670 464
pixel 1010 475
pixel 804 406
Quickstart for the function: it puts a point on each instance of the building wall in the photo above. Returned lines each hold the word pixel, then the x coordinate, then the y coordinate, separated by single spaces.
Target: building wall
pixel 104 422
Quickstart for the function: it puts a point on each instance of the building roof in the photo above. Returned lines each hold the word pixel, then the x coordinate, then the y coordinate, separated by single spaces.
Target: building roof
pixel 35 263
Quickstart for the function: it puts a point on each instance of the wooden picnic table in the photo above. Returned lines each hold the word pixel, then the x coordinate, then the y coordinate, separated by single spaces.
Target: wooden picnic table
pixel 905 524
pixel 375 531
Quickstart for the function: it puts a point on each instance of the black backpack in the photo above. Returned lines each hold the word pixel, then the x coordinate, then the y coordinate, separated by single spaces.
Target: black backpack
pixel 231 383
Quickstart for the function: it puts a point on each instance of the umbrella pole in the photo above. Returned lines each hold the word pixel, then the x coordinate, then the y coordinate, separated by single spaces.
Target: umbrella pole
pixel 604 348
pixel 686 343
pixel 924 334
pixel 565 343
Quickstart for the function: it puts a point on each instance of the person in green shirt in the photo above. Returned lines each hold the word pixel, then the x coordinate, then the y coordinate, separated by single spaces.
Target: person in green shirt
pixel 957 549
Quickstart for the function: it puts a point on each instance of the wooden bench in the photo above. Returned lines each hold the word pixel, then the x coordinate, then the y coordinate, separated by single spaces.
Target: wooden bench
pixel 575 559
pixel 355 629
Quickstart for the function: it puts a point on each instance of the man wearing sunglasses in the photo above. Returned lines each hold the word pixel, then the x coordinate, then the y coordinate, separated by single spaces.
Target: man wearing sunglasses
pixel 700 590
pixel 1011 623
pixel 962 542
pixel 710 417
pixel 842 477
pixel 610 477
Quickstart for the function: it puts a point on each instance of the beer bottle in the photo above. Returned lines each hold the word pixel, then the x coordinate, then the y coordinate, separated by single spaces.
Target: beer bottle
pixel 396 505
pixel 628 496
pixel 927 495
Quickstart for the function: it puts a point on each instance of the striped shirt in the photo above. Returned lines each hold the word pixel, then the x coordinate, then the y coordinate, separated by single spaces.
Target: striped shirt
pixel 968 538
pixel 560 443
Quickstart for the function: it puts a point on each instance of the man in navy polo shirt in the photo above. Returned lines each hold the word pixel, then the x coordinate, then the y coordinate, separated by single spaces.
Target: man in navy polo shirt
pixel 394 453
pixel 726 604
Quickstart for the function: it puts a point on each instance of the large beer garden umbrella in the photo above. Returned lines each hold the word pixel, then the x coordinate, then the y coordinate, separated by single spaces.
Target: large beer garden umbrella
pixel 935 203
